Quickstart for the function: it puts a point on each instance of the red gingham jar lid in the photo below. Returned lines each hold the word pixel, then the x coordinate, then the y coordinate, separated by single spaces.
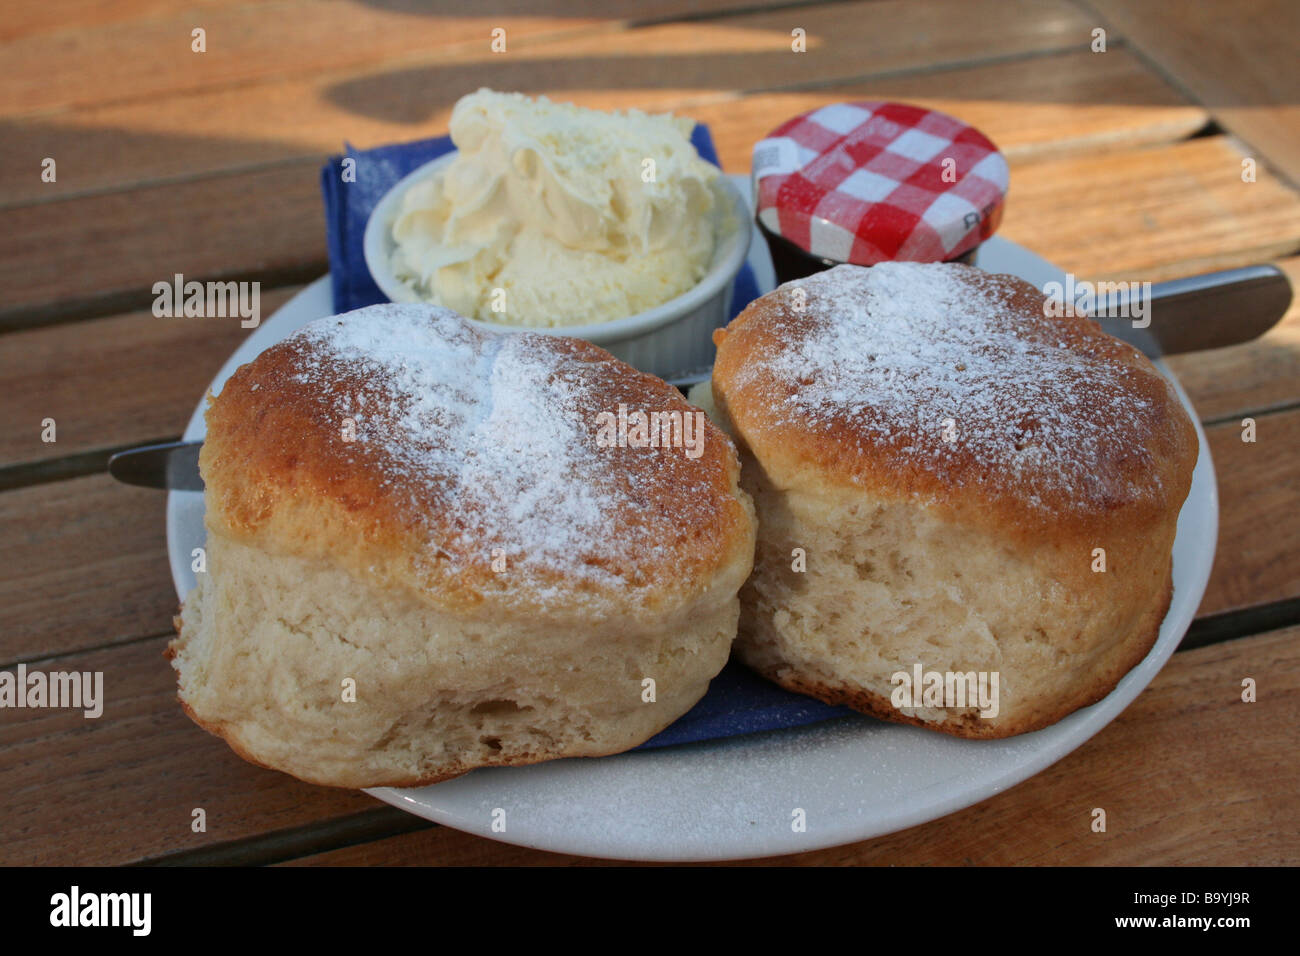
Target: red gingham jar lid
pixel 870 182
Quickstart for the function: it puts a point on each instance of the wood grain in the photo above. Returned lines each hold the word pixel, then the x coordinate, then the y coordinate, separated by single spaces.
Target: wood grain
pixel 1152 214
pixel 123 787
pixel 1144 214
pixel 1187 742
pixel 113 381
pixel 102 254
pixel 245 42
pixel 1255 376
pixel 57 16
pixel 1237 58
pixel 85 566
pixel 1258 558
pixel 248 43
pixel 1038 105
pixel 1053 105
pixel 52 16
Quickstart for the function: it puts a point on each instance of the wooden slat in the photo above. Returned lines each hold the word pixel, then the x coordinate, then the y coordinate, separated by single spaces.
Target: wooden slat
pixel 1239 59
pixel 1187 744
pixel 77 791
pixel 245 42
pixel 104 253
pixel 1259 375
pixel 85 565
pixel 1033 108
pixel 1152 214
pixel 113 381
pixel 257 41
pixel 1137 214
pixel 1258 558
pixel 1049 104
pixel 54 16
pixel 187 127
pixel 843 40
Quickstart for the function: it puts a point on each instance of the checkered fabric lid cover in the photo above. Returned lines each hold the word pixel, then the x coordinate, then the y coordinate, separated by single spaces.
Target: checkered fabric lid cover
pixel 870 182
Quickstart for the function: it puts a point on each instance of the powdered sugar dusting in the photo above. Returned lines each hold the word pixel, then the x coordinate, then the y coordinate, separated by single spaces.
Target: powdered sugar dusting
pixel 937 363
pixel 496 429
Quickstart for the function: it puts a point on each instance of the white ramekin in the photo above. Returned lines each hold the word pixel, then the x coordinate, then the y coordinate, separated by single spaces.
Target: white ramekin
pixel 668 339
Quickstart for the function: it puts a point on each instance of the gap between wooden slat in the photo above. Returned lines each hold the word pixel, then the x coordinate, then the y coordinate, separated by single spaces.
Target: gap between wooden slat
pixel 270 850
pixel 95 461
pixel 379 36
pixel 1238 60
pixel 355 829
pixel 713 61
pixel 1235 419
pixel 89 308
pixel 107 646
pixel 1157 212
pixel 1234 625
pixel 684 104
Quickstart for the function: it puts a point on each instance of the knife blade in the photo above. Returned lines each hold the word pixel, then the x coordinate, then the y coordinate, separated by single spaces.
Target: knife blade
pixel 172 465
pixel 1199 312
pixel 1185 315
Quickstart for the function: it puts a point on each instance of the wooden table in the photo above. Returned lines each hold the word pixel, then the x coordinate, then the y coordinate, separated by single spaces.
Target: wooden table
pixel 1126 164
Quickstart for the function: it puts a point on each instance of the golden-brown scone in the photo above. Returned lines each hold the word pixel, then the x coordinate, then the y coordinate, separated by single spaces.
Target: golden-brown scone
pixel 401 504
pixel 953 463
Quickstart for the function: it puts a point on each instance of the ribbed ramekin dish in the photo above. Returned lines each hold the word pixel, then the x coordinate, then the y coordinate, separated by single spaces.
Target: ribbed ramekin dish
pixel 671 338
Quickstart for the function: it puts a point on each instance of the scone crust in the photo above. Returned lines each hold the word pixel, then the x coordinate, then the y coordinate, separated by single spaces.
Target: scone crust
pixel 278 474
pixel 1142 469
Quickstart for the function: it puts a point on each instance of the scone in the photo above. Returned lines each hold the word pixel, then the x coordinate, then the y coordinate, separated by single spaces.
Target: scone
pixel 432 548
pixel 950 486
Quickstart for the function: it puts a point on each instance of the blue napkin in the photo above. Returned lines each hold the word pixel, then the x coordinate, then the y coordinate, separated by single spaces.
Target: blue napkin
pixel 738 702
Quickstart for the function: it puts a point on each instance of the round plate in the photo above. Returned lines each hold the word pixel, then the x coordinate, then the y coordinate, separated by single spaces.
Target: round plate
pixel 853 777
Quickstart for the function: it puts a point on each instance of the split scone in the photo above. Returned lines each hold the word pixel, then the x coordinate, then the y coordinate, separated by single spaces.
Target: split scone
pixel 428 551
pixel 949 482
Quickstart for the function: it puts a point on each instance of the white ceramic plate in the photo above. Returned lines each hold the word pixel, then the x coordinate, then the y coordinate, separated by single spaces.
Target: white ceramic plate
pixel 853 777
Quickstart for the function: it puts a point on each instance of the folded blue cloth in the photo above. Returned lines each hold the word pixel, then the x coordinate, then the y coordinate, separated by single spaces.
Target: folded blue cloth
pixel 738 702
